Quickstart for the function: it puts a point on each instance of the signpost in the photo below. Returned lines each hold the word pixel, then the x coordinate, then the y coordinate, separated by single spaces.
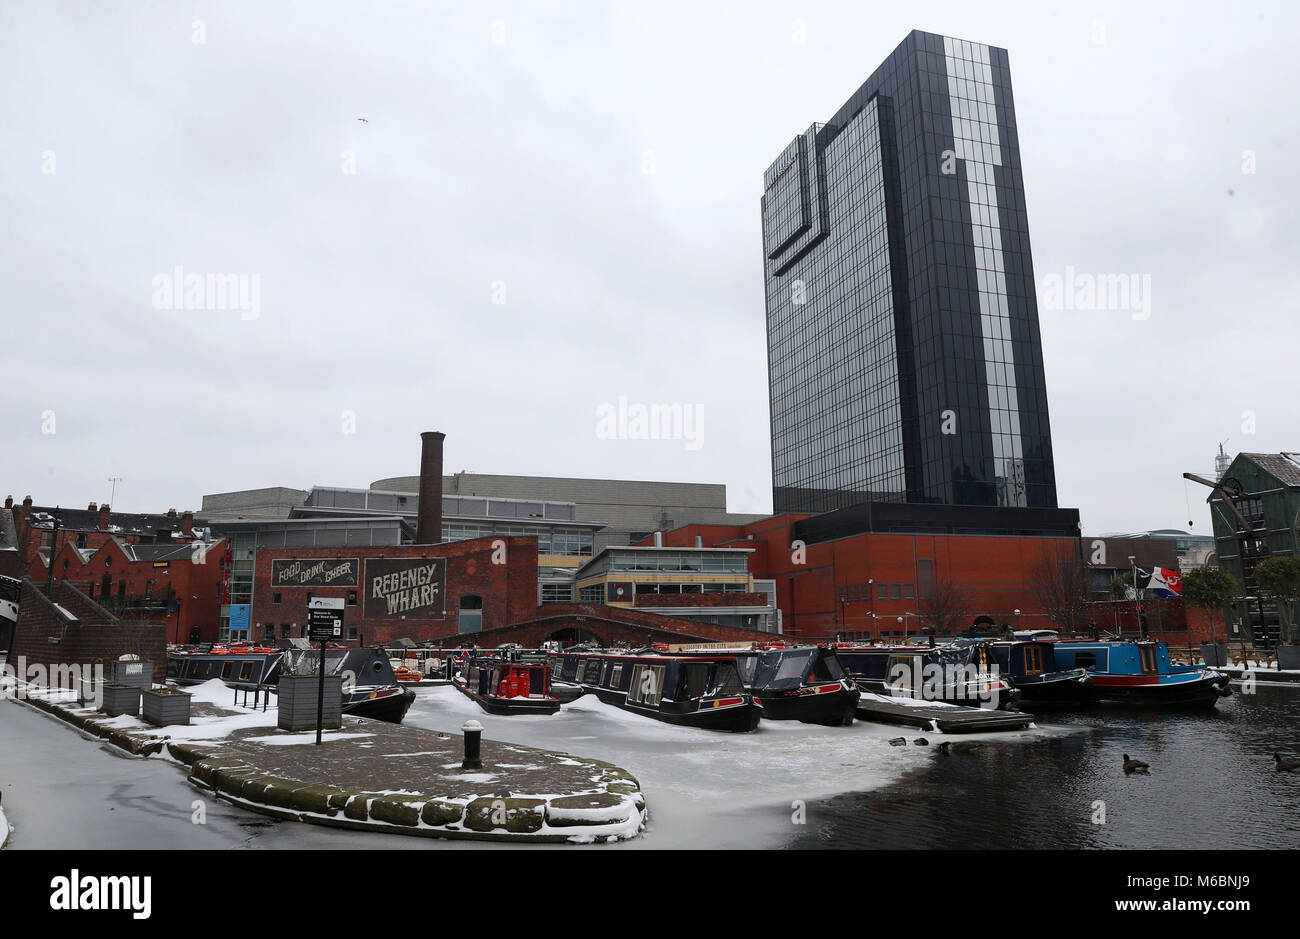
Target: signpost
pixel 324 622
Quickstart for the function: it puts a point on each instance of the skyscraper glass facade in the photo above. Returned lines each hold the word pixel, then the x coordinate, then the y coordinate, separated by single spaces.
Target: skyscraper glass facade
pixel 903 347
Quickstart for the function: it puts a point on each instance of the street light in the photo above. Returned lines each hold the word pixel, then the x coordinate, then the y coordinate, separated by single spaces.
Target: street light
pixel 904 625
pixel 1017 612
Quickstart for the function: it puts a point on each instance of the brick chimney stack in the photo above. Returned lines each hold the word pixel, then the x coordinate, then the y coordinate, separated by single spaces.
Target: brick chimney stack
pixel 93 507
pixel 9 502
pixel 171 513
pixel 104 516
pixel 428 529
pixel 187 523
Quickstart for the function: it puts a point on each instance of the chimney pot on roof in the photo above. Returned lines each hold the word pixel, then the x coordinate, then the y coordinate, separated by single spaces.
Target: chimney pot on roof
pixel 93 507
pixel 9 502
pixel 171 513
pixel 28 502
pixel 659 539
pixel 103 517
pixel 699 541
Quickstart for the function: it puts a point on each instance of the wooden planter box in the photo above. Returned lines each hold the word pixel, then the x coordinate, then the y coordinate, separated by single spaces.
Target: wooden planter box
pixel 120 699
pixel 297 702
pixel 1288 657
pixel 139 674
pixel 1214 653
pixel 163 706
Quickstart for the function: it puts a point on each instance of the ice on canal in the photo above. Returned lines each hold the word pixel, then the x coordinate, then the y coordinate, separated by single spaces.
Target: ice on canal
pixel 706 788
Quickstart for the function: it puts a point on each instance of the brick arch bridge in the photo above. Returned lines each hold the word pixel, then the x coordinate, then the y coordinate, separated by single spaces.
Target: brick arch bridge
pixel 604 625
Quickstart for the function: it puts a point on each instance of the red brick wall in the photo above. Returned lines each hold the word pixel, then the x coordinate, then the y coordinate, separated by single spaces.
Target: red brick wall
pixel 509 590
pixel 994 572
pixel 82 643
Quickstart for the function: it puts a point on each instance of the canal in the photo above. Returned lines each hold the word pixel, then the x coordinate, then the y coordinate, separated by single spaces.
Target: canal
pixel 1212 784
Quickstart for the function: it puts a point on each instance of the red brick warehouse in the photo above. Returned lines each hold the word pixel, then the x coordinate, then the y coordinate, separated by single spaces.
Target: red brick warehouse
pixel 395 592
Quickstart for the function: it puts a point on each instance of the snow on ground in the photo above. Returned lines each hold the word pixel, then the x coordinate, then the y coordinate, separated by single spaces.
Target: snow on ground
pixel 304 737
pixel 707 788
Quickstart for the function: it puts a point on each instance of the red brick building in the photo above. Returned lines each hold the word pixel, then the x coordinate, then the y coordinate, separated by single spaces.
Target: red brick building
pixel 876 585
pixel 175 584
pixel 89 529
pixel 396 592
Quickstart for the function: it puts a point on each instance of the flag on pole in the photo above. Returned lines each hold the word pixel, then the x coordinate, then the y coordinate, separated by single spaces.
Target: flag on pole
pixel 1161 581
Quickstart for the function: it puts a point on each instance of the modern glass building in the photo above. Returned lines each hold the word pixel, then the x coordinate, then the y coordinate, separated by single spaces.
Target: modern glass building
pixel 904 356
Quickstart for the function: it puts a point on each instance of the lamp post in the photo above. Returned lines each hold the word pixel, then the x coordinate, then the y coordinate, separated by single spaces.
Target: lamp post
pixel 1017 612
pixel 1137 603
pixel 902 622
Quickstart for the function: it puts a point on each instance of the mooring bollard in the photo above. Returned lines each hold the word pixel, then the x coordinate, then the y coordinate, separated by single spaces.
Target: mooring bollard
pixel 473 732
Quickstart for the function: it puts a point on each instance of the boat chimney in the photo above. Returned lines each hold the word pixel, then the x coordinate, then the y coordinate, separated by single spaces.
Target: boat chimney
pixel 659 539
pixel 428 529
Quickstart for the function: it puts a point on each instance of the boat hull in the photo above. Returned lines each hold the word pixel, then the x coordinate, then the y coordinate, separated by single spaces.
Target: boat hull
pixel 834 708
pixel 737 718
pixel 390 708
pixel 1060 688
pixel 1126 689
pixel 494 704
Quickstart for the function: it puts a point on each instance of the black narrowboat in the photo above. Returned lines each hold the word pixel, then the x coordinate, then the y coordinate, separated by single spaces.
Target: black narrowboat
pixel 952 674
pixel 805 683
pixel 370 689
pixel 694 691
pixel 238 666
pixel 500 686
pixel 1031 667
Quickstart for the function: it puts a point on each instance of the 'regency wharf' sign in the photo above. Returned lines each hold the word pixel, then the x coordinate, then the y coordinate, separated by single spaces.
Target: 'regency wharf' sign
pixel 398 586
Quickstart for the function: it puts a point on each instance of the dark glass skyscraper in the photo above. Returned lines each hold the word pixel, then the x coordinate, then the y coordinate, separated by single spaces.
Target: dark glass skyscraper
pixel 904 359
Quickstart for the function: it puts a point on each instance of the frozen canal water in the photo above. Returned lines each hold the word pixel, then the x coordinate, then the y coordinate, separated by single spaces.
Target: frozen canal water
pixel 705 789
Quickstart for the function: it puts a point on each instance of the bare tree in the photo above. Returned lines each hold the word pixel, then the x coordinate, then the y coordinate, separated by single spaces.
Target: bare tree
pixel 947 609
pixel 1058 580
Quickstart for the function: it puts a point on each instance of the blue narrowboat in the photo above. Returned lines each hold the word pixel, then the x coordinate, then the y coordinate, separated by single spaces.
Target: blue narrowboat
pixel 1031 667
pixel 694 691
pixel 1142 672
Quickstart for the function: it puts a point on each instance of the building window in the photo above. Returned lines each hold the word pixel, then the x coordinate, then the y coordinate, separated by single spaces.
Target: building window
pixel 471 613
pixel 557 593
pixel 275 598
pixel 81 540
pixel 352 598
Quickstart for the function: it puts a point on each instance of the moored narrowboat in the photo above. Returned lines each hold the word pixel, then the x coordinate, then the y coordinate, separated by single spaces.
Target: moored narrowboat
pixel 1031 667
pixel 805 684
pixel 951 674
pixel 499 686
pixel 1141 672
pixel 370 689
pixel 695 691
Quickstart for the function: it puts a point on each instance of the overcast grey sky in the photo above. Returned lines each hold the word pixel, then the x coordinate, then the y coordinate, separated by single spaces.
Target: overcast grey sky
pixel 598 167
